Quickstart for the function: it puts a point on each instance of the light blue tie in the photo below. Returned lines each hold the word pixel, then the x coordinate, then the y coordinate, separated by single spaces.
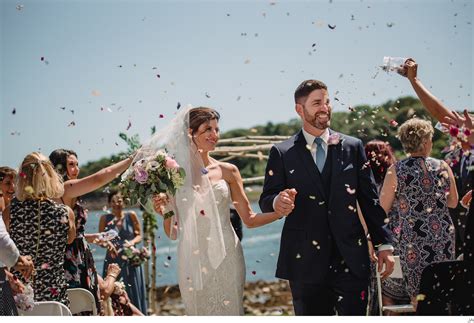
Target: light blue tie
pixel 320 155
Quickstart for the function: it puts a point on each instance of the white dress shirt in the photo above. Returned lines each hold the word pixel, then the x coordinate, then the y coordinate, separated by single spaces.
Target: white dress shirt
pixel 8 251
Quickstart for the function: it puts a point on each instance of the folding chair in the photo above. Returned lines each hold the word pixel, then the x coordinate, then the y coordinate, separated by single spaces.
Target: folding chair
pixel 81 301
pixel 397 273
pixel 47 308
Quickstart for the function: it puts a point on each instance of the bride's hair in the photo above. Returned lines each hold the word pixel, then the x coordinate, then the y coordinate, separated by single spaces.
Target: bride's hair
pixel 200 115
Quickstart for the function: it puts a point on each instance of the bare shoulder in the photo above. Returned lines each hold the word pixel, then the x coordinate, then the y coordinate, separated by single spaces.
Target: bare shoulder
pixel 230 172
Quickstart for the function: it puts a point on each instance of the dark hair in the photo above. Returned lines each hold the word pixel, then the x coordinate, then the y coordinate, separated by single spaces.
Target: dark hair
pixel 308 86
pixel 111 194
pixel 6 171
pixel 59 160
pixel 380 156
pixel 200 115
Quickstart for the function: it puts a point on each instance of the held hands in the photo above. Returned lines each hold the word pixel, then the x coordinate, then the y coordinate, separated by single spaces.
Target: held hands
pixel 25 266
pixel 285 202
pixel 385 257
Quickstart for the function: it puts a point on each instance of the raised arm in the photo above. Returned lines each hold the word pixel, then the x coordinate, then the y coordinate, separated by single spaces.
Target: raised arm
pixel 431 103
pixel 77 187
pixel 387 194
pixel 452 196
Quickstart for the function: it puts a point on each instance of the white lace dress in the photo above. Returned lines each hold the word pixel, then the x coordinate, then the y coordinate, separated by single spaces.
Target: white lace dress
pixel 224 286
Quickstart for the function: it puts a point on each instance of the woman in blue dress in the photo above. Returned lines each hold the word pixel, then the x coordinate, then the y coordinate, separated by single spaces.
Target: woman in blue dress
pixel 127 225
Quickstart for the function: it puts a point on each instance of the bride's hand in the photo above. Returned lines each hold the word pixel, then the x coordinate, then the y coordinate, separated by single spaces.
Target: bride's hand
pixel 159 202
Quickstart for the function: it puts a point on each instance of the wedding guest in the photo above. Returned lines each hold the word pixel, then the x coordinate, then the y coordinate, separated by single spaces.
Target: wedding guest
pixel 461 159
pixel 127 225
pixel 419 189
pixel 40 227
pixel 7 188
pixel 114 298
pixel 379 158
pixel 10 257
pixel 79 262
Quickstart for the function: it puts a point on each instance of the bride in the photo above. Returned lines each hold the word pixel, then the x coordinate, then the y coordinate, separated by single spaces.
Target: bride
pixel 211 266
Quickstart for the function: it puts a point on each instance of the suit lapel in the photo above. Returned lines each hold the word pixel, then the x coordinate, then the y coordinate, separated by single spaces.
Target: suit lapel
pixel 308 162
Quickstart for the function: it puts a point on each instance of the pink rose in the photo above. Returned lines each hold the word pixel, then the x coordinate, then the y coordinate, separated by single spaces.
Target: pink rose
pixel 171 163
pixel 334 139
pixel 453 131
pixel 141 176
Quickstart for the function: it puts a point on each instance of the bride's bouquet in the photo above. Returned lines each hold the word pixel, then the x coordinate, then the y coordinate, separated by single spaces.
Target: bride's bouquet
pixel 152 175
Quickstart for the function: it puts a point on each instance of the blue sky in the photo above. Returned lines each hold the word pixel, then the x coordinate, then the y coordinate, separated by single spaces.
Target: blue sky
pixel 244 58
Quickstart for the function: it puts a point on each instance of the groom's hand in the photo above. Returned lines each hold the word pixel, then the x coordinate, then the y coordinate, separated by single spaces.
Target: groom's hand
pixel 385 257
pixel 285 202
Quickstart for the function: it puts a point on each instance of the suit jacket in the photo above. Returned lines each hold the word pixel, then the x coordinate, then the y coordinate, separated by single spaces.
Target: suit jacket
pixel 320 214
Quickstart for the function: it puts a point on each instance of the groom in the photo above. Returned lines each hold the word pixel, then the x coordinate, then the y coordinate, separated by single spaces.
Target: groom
pixel 323 248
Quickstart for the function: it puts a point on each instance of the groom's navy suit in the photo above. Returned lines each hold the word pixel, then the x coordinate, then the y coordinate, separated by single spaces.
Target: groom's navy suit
pixel 323 242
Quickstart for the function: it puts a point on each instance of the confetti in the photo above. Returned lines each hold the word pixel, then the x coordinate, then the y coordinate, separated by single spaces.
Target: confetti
pixel 202 213
pixel 270 172
pixel 390 24
pixel 158 76
pixel 226 303
pixel 178 106
pixel 71 124
pixel 45 266
pixel 129 124
pixel 14 111
pixel 331 27
pixel 362 295
pixel 19 7
pixel 161 116
pixel 204 171
pixel 254 272
pixel 298 256
pixel 247 61
pixel 166 264
pixel 207 95
pixel 393 123
pixel 95 93
pixel 312 197
pixel 420 297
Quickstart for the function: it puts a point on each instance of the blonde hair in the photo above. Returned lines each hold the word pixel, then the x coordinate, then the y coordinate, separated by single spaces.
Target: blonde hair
pixel 38 179
pixel 414 133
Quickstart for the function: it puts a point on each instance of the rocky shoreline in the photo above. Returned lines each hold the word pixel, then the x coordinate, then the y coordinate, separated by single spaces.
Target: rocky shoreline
pixel 260 298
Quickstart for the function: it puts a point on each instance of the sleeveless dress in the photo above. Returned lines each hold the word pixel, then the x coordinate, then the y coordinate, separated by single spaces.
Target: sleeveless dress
pixel 79 262
pixel 132 276
pixel 46 246
pixel 423 230
pixel 223 294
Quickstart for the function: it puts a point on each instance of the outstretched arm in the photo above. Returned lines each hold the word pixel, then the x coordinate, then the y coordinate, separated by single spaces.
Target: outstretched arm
pixel 252 220
pixel 78 187
pixel 429 101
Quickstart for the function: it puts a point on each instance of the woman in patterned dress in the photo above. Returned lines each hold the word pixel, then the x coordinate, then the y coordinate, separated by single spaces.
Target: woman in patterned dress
pixel 79 262
pixel 420 189
pixel 40 227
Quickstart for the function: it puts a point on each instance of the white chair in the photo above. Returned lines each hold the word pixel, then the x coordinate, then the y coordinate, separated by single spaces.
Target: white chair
pixel 47 308
pixel 81 301
pixel 397 273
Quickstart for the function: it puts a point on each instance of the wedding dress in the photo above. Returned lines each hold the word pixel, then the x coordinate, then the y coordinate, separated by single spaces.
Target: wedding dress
pixel 224 285
pixel 211 266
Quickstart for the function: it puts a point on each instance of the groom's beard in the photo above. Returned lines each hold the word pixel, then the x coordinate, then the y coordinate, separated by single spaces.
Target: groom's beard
pixel 320 120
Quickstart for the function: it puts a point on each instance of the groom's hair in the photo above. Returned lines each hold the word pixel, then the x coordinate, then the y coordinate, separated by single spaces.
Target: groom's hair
pixel 200 115
pixel 306 87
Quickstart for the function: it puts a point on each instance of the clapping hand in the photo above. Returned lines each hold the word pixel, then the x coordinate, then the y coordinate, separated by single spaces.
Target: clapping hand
pixel 285 202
